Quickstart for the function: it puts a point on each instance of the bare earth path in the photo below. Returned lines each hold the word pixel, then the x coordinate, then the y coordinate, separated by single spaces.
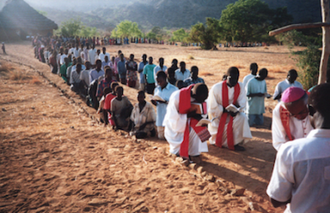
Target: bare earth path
pixel 54 156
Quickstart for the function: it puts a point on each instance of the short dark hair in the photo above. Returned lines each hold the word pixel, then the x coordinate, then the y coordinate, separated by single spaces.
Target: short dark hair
pixel 114 85
pixel 232 70
pixel 106 90
pixel 141 92
pixel 254 67
pixel 119 87
pixel 293 72
pixel 319 99
pixel 200 89
pixel 161 74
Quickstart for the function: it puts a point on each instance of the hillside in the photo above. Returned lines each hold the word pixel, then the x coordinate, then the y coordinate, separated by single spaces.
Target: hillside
pixel 176 14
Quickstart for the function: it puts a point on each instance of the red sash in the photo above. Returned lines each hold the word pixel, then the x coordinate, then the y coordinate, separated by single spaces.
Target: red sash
pixel 202 132
pixel 222 123
pixel 285 119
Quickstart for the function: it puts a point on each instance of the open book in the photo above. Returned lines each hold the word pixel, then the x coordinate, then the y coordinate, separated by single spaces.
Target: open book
pixel 203 121
pixel 156 98
pixel 232 108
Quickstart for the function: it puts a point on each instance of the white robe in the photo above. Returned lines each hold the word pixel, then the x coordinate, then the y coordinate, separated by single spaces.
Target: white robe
pixel 241 128
pixel 298 128
pixel 175 124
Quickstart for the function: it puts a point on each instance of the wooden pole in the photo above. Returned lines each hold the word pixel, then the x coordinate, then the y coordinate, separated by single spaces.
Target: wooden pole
pixel 298 26
pixel 326 42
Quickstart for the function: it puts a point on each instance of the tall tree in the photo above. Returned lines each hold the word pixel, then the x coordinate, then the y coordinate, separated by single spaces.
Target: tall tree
pixel 249 20
pixel 126 29
pixel 207 34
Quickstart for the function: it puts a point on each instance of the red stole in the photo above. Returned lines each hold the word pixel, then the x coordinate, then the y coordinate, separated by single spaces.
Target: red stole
pixel 222 123
pixel 285 119
pixel 184 106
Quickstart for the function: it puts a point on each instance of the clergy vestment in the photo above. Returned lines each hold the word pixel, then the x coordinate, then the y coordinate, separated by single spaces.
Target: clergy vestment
pixel 240 127
pixel 175 127
pixel 286 128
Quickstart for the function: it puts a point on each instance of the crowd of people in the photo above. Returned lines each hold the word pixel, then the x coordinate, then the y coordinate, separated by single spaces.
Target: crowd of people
pixel 188 114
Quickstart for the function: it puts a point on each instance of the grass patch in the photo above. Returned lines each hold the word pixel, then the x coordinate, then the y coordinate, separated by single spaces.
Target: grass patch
pixel 35 80
pixel 191 57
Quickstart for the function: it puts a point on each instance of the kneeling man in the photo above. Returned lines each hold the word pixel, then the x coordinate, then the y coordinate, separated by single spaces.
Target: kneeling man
pixel 224 122
pixel 181 132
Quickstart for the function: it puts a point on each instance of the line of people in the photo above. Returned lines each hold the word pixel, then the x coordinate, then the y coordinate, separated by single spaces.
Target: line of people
pixel 188 114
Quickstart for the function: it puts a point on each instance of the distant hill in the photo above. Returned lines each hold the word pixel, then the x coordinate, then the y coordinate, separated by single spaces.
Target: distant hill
pixel 176 13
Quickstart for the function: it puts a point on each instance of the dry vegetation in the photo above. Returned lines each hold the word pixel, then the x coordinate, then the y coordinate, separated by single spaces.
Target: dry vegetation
pixel 55 157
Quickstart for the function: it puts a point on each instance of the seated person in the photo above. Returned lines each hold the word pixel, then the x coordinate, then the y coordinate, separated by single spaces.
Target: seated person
pixel 107 102
pixel 180 84
pixel 225 122
pixel 104 83
pixel 143 118
pixel 182 134
pixel 76 84
pixel 101 111
pixel 121 109
pixel 291 118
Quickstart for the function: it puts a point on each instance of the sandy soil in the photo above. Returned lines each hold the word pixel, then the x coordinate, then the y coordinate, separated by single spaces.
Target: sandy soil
pixel 55 156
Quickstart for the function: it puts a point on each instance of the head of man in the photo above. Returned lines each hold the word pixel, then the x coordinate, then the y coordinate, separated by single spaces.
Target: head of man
pixel 200 92
pixel 161 62
pixel 104 50
pixel 66 60
pixel 183 66
pixel 141 97
pixel 161 79
pixel 98 51
pixel 254 68
pixel 121 56
pixel 98 64
pixel 144 57
pixel 319 101
pixel 74 61
pixel 232 76
pixel 295 101
pixel 78 68
pixel 194 72
pixel 113 86
pixel 88 65
pixel 119 52
pixel 66 51
pixel 292 76
pixel 106 58
pixel 171 73
pixel 119 91
pixel 175 62
pixel 131 57
pixel 151 60
pixel 108 74
pixel 263 73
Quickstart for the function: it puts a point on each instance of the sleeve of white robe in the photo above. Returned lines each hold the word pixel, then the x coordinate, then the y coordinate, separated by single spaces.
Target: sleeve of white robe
pixel 214 104
pixel 278 131
pixel 174 122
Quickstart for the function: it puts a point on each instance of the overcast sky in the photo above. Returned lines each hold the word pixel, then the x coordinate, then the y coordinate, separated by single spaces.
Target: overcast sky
pixel 75 4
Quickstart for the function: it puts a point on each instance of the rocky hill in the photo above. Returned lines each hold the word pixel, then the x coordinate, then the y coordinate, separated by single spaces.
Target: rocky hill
pixel 177 14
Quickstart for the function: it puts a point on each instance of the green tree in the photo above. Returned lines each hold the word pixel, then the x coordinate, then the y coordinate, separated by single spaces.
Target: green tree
pixel 180 35
pixel 126 29
pixel 251 20
pixel 75 28
pixel 207 34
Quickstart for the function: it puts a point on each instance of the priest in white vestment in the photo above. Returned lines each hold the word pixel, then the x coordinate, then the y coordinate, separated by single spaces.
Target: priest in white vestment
pixel 291 118
pixel 234 127
pixel 184 138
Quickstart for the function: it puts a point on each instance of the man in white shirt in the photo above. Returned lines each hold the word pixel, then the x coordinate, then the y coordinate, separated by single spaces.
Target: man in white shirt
pixel 254 70
pixel 301 175
pixel 290 81
pixel 92 55
pixel 103 54
pixel 76 52
pixel 159 67
pixel 84 75
pixel 97 72
pixel 182 73
pixel 228 128
pixel 65 55
pixel 290 117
